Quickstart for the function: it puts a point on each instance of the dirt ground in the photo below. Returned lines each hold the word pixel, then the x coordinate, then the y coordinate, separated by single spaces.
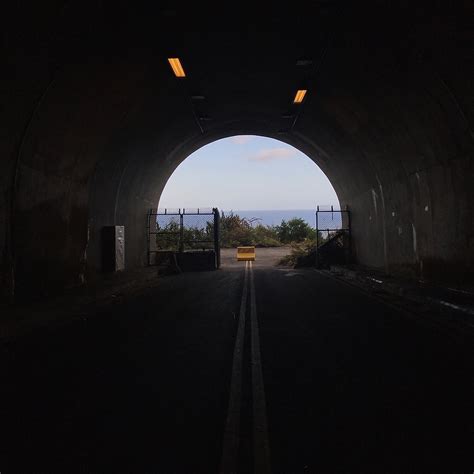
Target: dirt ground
pixel 264 257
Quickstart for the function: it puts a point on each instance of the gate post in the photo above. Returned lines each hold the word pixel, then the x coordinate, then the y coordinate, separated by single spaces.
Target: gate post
pixel 349 249
pixel 151 244
pixel 181 231
pixel 317 237
pixel 148 237
pixel 217 244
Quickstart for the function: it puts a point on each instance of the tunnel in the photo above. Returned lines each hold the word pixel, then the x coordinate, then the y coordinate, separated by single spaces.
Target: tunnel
pixel 95 122
pixel 170 378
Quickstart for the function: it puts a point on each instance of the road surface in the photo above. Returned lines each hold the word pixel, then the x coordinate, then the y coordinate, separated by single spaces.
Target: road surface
pixel 252 368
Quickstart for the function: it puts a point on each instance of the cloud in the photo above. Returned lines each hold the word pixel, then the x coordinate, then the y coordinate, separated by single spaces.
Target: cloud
pixel 241 139
pixel 273 154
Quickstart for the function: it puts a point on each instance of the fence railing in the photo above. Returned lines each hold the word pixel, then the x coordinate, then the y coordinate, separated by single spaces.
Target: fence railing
pixel 181 230
pixel 333 235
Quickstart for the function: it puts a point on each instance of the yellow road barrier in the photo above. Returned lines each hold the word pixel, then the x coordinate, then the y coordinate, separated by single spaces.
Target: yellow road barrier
pixel 245 253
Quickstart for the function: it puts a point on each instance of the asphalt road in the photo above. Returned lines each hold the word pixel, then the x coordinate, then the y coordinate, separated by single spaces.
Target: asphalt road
pixel 257 369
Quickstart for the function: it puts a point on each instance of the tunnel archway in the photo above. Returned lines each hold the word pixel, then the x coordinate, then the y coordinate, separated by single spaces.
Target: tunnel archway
pixel 255 368
pixel 155 177
pixel 94 127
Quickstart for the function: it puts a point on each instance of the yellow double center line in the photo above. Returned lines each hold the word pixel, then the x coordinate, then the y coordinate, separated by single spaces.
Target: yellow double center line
pixel 230 448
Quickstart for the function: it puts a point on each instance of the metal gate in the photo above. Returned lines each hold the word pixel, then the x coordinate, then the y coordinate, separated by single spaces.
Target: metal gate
pixel 333 235
pixel 182 230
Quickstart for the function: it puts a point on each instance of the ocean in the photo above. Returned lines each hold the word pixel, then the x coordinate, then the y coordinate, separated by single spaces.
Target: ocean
pixel 274 217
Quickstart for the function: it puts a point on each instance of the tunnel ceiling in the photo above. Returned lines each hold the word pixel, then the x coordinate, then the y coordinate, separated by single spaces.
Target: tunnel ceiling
pixel 94 121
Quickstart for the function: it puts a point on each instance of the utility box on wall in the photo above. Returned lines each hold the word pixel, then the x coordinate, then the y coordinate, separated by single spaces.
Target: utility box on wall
pixel 113 248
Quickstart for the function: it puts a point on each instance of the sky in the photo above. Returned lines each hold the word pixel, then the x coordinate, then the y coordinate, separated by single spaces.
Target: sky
pixel 248 172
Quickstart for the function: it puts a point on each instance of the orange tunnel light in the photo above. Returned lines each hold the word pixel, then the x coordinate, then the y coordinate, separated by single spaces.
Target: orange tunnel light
pixel 177 67
pixel 299 96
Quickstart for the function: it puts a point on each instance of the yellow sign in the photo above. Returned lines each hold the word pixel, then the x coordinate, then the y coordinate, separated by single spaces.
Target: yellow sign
pixel 245 253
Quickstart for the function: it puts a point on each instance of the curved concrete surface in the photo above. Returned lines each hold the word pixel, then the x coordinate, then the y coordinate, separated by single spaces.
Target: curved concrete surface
pixel 94 123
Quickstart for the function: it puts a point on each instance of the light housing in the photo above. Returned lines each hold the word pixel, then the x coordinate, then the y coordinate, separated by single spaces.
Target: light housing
pixel 304 62
pixel 177 67
pixel 299 97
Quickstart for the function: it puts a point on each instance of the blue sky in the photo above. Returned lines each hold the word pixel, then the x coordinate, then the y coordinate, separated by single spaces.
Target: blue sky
pixel 248 172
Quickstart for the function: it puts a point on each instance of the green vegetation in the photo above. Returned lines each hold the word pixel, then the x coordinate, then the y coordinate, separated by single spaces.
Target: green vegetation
pixel 193 237
pixel 295 230
pixel 235 231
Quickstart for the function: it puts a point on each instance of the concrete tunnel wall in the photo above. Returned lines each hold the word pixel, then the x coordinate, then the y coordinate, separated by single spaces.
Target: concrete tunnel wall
pixel 92 142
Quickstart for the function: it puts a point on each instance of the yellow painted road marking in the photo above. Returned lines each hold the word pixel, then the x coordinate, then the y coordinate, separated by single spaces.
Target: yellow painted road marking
pixel 260 426
pixel 230 445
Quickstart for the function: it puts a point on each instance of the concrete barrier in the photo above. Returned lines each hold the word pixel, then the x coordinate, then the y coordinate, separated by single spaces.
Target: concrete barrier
pixel 246 253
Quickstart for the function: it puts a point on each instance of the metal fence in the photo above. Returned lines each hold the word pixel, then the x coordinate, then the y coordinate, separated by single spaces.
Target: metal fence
pixel 181 230
pixel 333 235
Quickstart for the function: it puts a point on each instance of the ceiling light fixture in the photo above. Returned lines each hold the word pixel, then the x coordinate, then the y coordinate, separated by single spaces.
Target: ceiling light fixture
pixel 175 64
pixel 299 96
pixel 304 62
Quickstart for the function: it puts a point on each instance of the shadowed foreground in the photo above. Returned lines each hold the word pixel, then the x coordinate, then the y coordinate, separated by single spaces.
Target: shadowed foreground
pixel 143 385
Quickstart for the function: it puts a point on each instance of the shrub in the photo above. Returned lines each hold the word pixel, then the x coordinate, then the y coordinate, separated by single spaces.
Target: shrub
pixel 299 251
pixel 295 230
pixel 235 231
pixel 265 236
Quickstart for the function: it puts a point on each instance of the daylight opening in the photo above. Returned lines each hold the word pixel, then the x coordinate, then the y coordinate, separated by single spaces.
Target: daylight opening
pixel 258 178
pixel 248 191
